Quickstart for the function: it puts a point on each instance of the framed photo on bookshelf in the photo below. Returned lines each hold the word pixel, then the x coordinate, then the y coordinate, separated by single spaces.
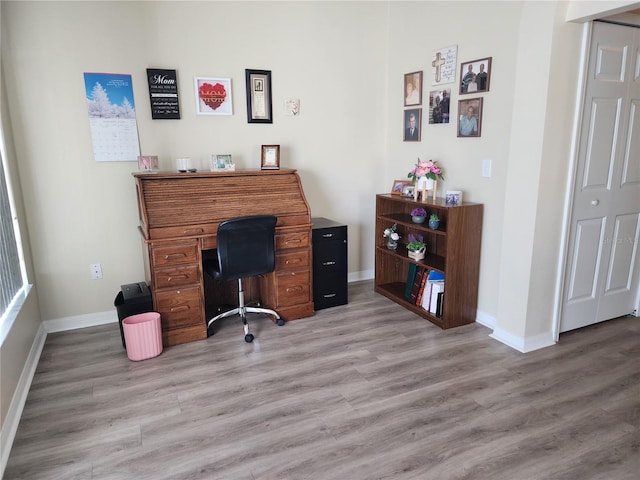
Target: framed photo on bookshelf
pixel 398 186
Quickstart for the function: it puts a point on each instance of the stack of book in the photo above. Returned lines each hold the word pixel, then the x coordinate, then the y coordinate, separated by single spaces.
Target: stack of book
pixel 425 288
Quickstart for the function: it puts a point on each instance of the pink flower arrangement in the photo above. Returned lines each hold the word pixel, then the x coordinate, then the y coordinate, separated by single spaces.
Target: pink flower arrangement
pixel 426 168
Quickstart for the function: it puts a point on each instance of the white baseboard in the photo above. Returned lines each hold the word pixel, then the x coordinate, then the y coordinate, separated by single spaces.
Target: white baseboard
pixel 523 344
pixel 359 276
pixel 80 321
pixel 10 426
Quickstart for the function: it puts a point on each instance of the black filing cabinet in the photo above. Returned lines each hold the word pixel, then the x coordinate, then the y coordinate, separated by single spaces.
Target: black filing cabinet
pixel 329 263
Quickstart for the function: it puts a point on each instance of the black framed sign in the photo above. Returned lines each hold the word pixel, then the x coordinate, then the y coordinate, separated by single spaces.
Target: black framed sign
pixel 258 96
pixel 163 93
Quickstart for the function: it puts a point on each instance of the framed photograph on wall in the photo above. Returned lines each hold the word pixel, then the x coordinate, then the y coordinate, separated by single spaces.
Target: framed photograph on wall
pixel 258 96
pixel 413 89
pixel 439 101
pixel 213 96
pixel 475 76
pixel 412 124
pixel 470 117
pixel 270 158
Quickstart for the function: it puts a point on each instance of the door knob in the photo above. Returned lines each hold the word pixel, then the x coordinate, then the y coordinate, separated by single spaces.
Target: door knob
pixel 595 202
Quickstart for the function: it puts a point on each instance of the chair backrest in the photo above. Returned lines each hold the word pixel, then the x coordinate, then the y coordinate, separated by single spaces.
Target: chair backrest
pixel 246 246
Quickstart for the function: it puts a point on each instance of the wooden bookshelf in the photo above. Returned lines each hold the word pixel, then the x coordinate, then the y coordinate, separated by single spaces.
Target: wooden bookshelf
pixel 453 249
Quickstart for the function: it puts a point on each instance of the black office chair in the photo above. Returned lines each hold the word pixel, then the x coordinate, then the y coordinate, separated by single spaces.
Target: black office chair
pixel 246 248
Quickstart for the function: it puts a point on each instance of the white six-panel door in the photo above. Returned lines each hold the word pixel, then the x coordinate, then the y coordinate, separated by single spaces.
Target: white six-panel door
pixel 602 270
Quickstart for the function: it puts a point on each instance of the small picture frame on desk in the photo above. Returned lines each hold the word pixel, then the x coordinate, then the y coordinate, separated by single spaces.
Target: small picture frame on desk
pixel 222 163
pixel 270 158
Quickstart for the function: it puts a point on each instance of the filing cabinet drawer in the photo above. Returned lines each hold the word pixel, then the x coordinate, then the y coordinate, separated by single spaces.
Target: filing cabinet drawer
pixel 176 276
pixel 285 241
pixel 329 291
pixel 174 254
pixel 293 288
pixel 179 307
pixel 292 260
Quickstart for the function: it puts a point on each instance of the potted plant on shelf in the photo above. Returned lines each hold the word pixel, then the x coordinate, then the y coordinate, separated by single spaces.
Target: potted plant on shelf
pixel 418 215
pixel 392 237
pixel 434 221
pixel 416 246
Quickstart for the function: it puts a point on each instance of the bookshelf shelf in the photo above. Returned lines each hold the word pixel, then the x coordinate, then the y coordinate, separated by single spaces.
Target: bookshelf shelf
pixel 453 250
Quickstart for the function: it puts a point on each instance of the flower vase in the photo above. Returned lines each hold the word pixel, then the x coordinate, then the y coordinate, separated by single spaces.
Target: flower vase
pixel 434 224
pixel 424 185
pixel 417 219
pixel 392 244
pixel 417 254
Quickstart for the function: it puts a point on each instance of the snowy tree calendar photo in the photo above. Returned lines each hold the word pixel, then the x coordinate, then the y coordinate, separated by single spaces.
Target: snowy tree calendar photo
pixel 112 117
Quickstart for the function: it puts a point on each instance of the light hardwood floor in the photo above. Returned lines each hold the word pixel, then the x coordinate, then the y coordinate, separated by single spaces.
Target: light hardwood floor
pixel 358 392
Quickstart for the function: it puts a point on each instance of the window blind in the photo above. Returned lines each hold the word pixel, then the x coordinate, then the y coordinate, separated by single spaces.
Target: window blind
pixel 11 278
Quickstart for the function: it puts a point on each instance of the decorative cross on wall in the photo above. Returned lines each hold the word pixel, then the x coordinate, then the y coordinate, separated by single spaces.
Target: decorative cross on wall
pixel 437 64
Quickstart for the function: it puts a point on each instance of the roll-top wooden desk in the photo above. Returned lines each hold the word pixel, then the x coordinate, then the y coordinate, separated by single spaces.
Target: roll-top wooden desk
pixel 179 217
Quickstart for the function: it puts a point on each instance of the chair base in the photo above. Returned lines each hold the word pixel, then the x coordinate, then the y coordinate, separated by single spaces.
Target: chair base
pixel 242 311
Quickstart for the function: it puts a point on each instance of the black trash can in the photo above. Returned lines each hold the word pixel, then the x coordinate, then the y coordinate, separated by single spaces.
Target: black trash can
pixel 132 299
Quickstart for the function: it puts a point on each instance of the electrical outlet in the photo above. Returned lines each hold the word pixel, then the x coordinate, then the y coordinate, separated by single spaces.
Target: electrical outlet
pixel 96 271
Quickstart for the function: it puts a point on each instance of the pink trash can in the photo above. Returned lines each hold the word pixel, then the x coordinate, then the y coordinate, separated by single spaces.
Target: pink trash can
pixel 143 336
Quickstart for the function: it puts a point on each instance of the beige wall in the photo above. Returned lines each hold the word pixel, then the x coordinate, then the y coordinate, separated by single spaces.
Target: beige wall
pixel 345 61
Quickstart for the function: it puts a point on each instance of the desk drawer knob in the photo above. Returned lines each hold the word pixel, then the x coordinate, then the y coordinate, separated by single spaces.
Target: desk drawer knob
pixel 294 289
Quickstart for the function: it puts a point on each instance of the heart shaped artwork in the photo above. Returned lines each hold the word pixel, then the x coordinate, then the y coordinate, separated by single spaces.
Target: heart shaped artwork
pixel 212 95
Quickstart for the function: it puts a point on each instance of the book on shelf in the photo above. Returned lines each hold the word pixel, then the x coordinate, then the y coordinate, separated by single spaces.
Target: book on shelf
pixel 417 282
pixel 411 275
pixel 434 284
pixel 440 304
pixel 423 284
pixel 436 288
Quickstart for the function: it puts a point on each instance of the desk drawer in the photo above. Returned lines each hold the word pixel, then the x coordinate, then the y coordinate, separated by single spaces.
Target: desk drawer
pixel 285 241
pixel 293 288
pixel 174 254
pixel 177 276
pixel 291 260
pixel 183 231
pixel 180 307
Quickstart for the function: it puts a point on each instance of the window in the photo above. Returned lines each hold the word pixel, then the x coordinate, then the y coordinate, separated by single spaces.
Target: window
pixel 12 271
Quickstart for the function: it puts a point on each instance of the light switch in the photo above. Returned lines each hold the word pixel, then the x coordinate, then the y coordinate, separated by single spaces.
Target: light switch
pixel 486 168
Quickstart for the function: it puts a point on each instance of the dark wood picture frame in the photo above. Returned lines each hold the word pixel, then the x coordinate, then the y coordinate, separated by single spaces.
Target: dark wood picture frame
pixel 417 112
pixel 413 80
pixel 463 109
pixel 259 103
pixel 270 157
pixel 481 68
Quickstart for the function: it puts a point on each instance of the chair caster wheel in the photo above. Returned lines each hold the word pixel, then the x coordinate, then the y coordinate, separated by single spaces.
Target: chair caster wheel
pixel 280 322
pixel 248 338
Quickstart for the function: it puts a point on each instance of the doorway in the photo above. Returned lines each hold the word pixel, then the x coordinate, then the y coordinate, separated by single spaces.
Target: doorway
pixel 601 273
